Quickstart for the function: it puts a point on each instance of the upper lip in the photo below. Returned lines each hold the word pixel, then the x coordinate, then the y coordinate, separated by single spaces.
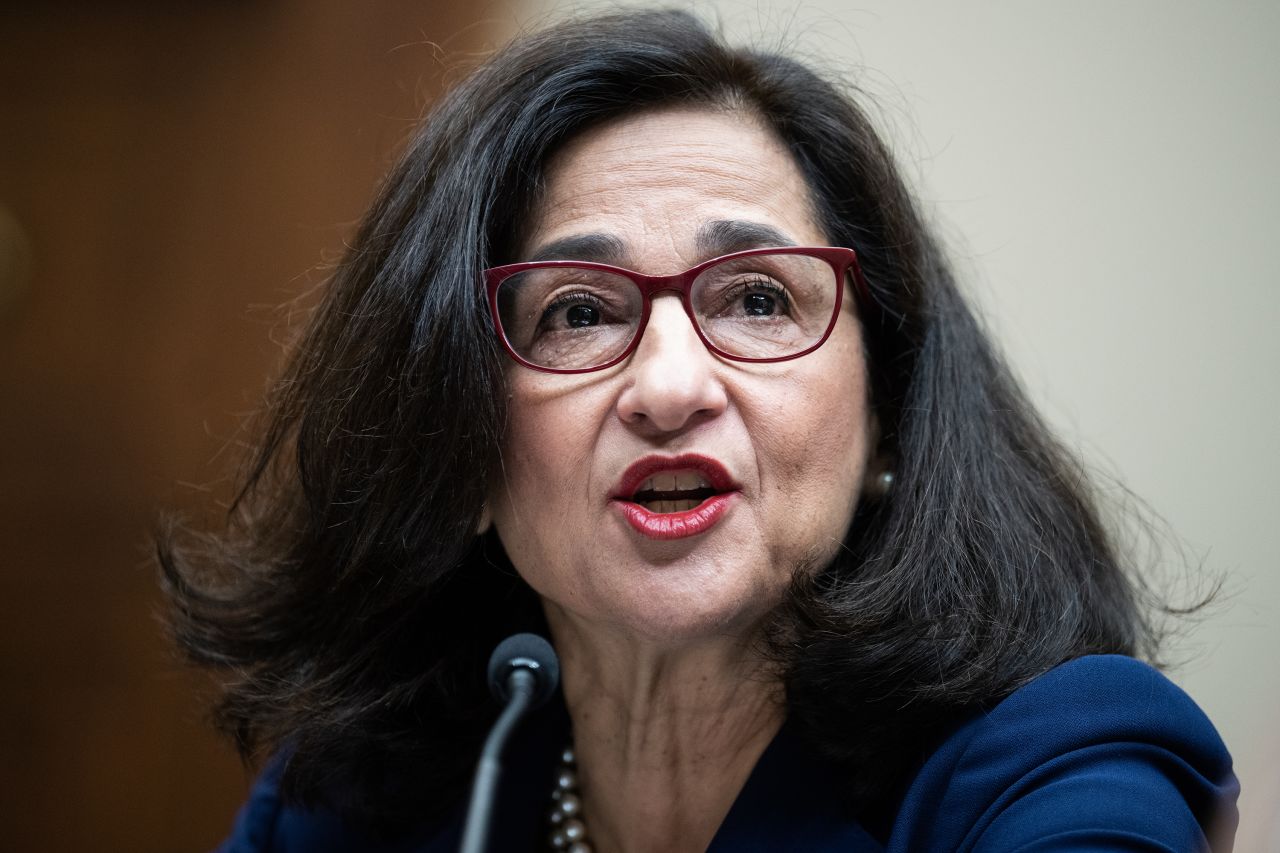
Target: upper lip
pixel 642 469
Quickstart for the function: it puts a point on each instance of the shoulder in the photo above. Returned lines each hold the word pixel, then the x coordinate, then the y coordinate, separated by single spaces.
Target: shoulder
pixel 267 823
pixel 1099 752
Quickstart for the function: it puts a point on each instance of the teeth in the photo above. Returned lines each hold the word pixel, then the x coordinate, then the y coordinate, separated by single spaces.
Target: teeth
pixel 690 480
pixel 672 506
pixel 674 481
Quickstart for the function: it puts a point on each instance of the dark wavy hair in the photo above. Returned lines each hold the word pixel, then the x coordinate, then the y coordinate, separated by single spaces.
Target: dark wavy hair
pixel 349 605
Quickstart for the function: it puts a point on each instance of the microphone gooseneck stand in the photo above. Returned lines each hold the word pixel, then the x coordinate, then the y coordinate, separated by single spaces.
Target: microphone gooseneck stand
pixel 523 672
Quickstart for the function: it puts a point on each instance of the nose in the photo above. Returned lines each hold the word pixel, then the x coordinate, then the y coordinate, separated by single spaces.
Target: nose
pixel 674 381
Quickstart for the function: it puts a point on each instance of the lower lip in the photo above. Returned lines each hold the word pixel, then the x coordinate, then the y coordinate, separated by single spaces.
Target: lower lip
pixel 677 525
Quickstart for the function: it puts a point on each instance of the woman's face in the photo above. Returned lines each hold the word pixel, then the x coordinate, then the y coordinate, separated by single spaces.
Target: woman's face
pixel 785 444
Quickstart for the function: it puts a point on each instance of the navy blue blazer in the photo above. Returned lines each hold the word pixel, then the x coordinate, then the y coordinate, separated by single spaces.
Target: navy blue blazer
pixel 1101 753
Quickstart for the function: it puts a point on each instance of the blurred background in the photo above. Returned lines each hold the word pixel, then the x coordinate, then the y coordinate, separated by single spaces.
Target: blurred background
pixel 171 174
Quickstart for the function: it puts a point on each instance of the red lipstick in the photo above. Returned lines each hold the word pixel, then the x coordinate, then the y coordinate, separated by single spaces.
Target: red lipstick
pixel 717 496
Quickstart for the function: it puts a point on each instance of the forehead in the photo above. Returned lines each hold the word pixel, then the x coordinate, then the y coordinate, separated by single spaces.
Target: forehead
pixel 654 181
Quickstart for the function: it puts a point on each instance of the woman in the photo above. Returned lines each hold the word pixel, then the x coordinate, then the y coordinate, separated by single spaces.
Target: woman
pixel 645 347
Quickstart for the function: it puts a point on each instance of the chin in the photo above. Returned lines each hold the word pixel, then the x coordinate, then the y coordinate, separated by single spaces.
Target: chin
pixel 676 619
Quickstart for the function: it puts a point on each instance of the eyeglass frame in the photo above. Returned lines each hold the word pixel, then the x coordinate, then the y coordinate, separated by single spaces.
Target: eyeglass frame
pixel 841 260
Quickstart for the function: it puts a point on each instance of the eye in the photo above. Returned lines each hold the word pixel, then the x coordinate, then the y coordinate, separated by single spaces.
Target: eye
pixel 759 296
pixel 573 311
pixel 758 304
pixel 582 315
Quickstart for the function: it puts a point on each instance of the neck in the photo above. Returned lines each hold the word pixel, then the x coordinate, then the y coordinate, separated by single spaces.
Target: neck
pixel 665 736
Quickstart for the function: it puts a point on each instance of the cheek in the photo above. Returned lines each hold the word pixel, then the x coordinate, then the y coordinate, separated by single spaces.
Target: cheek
pixel 822 443
pixel 536 460
pixel 845 438
pixel 821 452
pixel 545 467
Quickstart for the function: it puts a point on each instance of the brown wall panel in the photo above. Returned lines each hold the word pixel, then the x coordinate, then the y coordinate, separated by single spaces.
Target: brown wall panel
pixel 174 171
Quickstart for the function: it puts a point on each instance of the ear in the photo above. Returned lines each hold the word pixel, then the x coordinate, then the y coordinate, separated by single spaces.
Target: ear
pixel 486 520
pixel 877 477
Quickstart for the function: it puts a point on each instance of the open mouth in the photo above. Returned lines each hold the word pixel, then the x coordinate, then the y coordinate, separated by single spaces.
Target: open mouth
pixel 674 491
pixel 674 497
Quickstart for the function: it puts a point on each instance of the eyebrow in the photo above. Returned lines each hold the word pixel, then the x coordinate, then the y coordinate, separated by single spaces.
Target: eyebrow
pixel 724 236
pixel 719 237
pixel 596 247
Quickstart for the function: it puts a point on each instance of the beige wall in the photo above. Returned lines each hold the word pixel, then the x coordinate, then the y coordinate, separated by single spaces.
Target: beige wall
pixel 1108 177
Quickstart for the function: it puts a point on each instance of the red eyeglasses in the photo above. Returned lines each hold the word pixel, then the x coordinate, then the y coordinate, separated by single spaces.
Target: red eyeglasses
pixel 760 305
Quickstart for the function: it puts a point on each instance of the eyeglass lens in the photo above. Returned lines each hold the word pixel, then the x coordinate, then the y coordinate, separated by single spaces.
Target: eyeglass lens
pixel 758 306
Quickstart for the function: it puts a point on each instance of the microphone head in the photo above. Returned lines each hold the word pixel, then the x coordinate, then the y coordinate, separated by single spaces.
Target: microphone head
pixel 524 651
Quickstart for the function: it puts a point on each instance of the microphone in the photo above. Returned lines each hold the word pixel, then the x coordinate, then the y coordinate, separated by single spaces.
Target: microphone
pixel 530 653
pixel 523 673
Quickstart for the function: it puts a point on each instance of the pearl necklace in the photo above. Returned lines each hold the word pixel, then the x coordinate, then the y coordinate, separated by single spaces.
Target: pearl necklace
pixel 568 832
